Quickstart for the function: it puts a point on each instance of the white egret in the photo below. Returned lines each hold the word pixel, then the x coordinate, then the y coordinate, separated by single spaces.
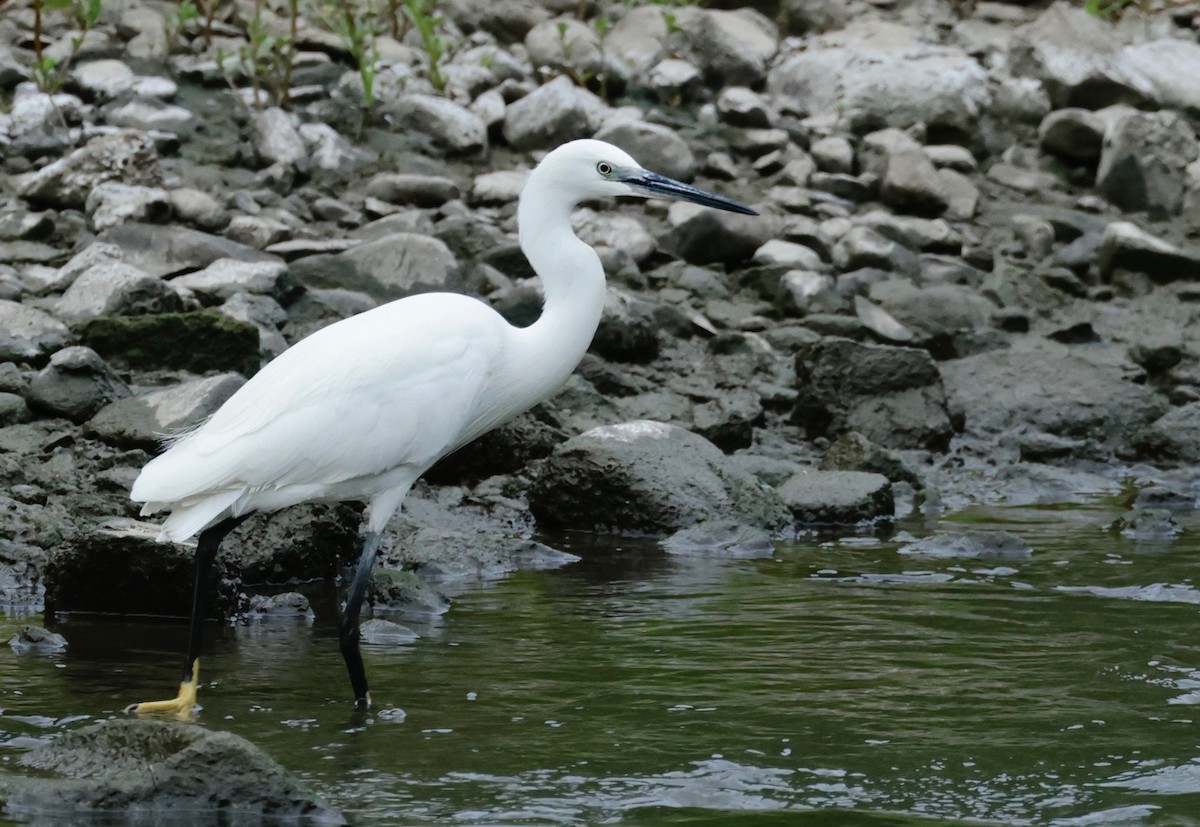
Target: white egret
pixel 360 409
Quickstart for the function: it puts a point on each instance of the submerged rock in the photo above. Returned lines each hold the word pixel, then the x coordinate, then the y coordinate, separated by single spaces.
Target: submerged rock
pixel 144 769
pixel 972 545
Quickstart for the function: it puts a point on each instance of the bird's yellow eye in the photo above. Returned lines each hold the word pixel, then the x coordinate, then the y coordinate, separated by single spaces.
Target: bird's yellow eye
pixel 604 168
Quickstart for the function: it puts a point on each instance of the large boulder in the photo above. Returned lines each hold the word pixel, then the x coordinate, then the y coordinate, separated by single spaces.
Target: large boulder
pixel 391 267
pixel 145 421
pixel 29 334
pixel 451 129
pixel 838 497
pixel 138 770
pixel 552 114
pixel 198 342
pixel 1083 394
pixel 1087 62
pixel 168 250
pixel 891 395
pixel 75 384
pixel 649 478
pixel 876 74
pixel 126 157
pixel 1143 162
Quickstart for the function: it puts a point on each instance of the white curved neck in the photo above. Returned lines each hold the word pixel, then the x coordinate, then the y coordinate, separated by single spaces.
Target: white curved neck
pixel 572 283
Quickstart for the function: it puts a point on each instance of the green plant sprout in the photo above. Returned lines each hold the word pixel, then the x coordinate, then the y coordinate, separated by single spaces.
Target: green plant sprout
pixel 356 28
pixel 49 72
pixel 426 20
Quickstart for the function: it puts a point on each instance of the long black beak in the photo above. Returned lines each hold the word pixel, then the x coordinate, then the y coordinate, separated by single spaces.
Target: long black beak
pixel 653 184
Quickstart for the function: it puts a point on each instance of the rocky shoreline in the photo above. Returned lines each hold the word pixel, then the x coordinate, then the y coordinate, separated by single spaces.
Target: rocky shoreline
pixel 973 280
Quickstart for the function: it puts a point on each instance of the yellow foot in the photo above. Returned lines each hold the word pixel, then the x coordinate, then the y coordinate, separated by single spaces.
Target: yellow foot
pixel 182 705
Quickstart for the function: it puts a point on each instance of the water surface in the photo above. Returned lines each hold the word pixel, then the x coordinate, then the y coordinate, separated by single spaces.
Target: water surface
pixel 837 682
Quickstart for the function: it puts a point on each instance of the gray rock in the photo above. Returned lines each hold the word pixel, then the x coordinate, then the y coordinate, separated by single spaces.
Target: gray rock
pixel 732 48
pixel 450 128
pixel 257 231
pixel 948 320
pixel 1028 181
pixel 147 420
pixel 1073 134
pixel 264 313
pixel 636 44
pixel 1147 525
pixel 628 331
pixel 1127 249
pixel 1085 61
pixel 875 74
pixel 971 545
pixel 379 632
pixel 420 190
pixel 37 639
pixel 405 591
pixel 285 606
pixel 803 290
pixel 116 288
pixel 741 106
pixel 912 184
pixel 674 79
pixel 75 385
pixel 506 20
pixel 566 43
pixel 28 334
pixel 710 237
pixel 1057 389
pixel 126 157
pixel 648 477
pixel 329 151
pixel 387 268
pixel 724 537
pixel 788 254
pixel 493 188
pixel 148 115
pixel 141 769
pixel 13 409
pixel 276 137
pixel 865 247
pixel 962 196
pixel 728 422
pixel 838 497
pixel 166 251
pixel 198 208
pixel 1144 160
pixel 226 277
pixel 891 395
pixel 111 203
pixel 616 230
pixel 103 78
pixel 552 114
pixel 925 234
pixel 1174 437
pixel 854 452
pixel 655 147
pixel 21 564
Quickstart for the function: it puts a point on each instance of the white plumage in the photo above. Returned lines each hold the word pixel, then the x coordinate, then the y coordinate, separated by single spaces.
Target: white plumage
pixel 360 409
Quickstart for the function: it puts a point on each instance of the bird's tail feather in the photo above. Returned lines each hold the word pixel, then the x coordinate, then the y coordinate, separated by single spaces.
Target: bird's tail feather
pixel 188 518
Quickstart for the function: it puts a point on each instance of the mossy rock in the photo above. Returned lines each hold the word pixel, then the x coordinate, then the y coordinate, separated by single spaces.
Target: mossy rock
pixel 197 342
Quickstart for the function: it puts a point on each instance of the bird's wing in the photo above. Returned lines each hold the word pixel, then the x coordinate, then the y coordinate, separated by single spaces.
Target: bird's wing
pixel 358 398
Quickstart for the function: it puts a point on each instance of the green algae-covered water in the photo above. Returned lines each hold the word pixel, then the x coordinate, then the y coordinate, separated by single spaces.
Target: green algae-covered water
pixel 833 683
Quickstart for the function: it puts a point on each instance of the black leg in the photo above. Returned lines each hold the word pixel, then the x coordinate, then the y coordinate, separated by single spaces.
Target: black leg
pixel 206 552
pixel 349 632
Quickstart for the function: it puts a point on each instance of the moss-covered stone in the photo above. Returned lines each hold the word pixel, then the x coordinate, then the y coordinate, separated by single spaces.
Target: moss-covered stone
pixel 197 342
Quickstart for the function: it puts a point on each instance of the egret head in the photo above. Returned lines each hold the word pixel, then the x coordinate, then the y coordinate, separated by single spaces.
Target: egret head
pixel 591 169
